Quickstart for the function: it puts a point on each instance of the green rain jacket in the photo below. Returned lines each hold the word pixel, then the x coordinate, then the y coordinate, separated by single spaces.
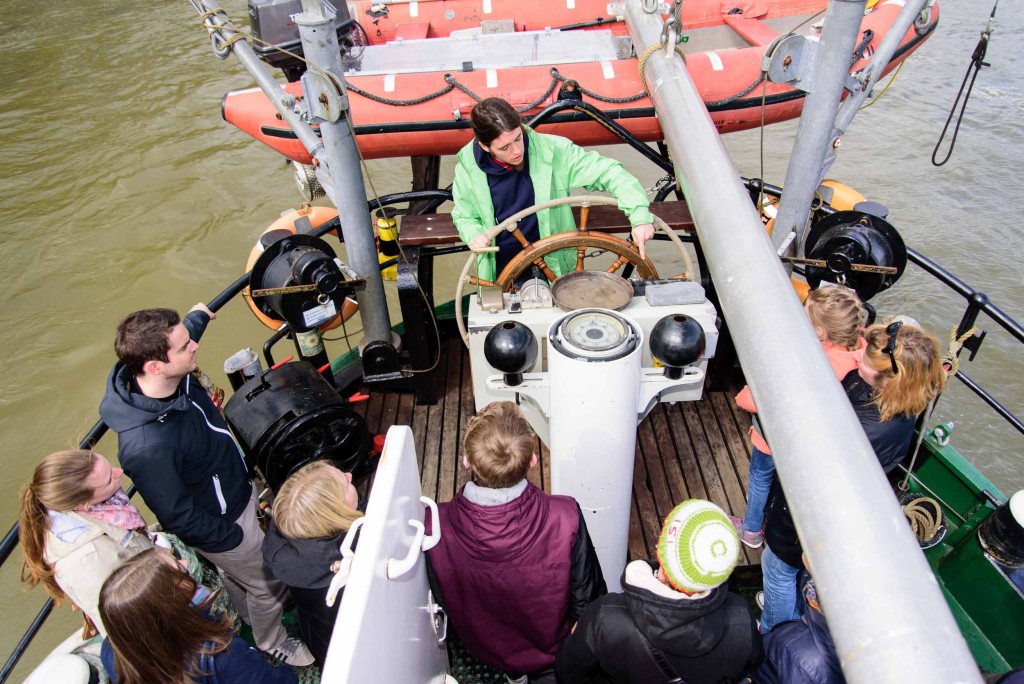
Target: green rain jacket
pixel 557 165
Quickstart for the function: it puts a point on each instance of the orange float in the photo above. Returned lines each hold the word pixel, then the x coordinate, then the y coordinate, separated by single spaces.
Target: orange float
pixel 317 217
pixel 723 71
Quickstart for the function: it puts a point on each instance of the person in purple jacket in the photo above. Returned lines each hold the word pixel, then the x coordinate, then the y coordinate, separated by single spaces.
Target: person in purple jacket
pixel 515 567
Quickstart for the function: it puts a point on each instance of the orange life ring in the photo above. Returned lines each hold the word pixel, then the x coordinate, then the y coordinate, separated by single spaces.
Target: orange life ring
pixel 317 217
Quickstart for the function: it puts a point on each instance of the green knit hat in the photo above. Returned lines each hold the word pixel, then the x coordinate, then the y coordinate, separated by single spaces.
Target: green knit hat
pixel 698 547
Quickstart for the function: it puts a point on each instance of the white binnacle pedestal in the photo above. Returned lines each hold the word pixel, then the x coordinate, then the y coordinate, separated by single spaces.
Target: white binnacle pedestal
pixel 593 439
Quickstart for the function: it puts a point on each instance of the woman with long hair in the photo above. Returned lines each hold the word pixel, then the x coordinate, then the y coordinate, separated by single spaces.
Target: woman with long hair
pixel 312 513
pixel 160 629
pixel 508 167
pixel 898 373
pixel 76 526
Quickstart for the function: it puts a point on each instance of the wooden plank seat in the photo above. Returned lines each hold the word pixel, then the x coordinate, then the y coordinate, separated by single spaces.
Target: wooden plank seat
pixel 425 235
pixel 438 229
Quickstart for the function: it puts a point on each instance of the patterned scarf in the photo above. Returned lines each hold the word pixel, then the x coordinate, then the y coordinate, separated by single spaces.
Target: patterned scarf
pixel 117 511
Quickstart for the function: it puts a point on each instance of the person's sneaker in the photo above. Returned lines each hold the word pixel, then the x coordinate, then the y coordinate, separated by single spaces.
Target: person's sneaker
pixel 759 600
pixel 751 539
pixel 293 652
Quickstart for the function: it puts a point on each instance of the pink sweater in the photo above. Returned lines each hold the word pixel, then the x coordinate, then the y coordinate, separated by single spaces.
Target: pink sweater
pixel 842 361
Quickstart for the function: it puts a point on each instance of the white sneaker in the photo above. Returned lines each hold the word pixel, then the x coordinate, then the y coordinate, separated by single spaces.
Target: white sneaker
pixel 293 652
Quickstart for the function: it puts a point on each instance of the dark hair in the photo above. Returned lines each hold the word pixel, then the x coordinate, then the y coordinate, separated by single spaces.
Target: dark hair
pixel 155 631
pixel 492 117
pixel 142 337
pixel 58 484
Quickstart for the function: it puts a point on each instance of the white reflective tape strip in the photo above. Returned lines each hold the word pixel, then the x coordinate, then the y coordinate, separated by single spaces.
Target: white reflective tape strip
pixel 898 3
pixel 716 61
pixel 608 70
pixel 487 6
pixel 492 78
pixel 414 9
pixel 389 83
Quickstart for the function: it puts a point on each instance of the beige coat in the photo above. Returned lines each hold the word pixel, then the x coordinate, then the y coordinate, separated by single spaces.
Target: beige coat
pixel 81 567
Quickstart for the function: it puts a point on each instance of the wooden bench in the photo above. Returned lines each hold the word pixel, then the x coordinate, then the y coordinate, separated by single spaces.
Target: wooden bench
pixel 425 236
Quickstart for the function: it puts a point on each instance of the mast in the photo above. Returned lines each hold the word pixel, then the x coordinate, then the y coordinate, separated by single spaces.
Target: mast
pixel 872 577
pixel 821 128
pixel 336 157
pixel 343 177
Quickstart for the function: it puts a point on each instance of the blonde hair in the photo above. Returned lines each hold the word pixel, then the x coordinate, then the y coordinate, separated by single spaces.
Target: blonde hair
pixel 920 375
pixel 839 312
pixel 58 484
pixel 311 504
pixel 498 445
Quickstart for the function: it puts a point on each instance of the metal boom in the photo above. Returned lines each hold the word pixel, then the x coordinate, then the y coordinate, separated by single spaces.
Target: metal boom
pixel 873 578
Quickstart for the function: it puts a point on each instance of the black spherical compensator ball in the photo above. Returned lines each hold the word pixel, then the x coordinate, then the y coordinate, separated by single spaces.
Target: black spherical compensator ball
pixel 511 348
pixel 677 341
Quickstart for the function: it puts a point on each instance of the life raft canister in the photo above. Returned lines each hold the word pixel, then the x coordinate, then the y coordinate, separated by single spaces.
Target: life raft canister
pixel 317 217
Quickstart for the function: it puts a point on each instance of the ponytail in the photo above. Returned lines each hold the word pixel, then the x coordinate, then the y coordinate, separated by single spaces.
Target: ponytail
pixel 58 484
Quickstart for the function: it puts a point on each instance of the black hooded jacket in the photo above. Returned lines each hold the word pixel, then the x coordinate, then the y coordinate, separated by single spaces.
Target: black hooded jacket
pixel 890 441
pixel 710 639
pixel 305 566
pixel 180 456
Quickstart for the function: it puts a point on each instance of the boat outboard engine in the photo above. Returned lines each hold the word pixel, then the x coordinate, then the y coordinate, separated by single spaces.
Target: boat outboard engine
pixel 303 284
pixel 677 341
pixel 511 347
pixel 848 238
pixel 290 416
pixel 272 23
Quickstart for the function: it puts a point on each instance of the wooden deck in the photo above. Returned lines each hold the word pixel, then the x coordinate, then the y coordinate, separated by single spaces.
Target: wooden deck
pixel 690 450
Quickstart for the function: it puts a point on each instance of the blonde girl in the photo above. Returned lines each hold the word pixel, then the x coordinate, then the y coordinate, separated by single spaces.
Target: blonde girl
pixel 837 315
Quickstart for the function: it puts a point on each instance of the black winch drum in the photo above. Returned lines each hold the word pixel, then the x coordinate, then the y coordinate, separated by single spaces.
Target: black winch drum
pixel 291 416
pixel 1002 536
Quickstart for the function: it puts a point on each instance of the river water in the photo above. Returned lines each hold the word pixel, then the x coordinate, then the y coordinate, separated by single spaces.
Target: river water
pixel 124 189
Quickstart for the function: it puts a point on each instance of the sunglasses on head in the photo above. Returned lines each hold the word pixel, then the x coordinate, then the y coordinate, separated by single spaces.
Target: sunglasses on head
pixel 890 347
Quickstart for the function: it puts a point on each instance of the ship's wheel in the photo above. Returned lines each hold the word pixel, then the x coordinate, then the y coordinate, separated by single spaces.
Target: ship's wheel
pixel 582 239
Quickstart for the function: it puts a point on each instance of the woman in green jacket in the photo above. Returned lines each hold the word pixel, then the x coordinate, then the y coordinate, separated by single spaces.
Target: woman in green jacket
pixel 509 167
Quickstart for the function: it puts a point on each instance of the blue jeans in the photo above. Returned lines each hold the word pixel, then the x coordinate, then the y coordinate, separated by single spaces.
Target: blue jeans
pixel 762 472
pixel 780 591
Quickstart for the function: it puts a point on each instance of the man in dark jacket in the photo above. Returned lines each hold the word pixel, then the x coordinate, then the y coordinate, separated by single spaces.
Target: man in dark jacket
pixel 674 619
pixel 515 567
pixel 177 450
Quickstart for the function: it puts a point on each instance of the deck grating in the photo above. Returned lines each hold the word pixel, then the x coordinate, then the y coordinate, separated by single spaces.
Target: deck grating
pixel 687 450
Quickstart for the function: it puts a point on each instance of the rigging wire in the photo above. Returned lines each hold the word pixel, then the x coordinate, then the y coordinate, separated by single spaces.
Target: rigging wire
pixel 977 62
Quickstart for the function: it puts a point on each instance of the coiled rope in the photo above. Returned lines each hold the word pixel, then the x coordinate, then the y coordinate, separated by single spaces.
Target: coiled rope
pixel 925 517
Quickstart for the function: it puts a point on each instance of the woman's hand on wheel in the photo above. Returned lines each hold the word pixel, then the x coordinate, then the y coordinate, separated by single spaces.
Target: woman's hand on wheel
pixel 481 242
pixel 641 234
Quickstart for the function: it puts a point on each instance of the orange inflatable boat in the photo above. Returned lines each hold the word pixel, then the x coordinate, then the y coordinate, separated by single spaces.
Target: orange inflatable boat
pixel 401 106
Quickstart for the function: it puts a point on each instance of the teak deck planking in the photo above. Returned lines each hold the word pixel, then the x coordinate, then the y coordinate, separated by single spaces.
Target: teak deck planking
pixel 687 450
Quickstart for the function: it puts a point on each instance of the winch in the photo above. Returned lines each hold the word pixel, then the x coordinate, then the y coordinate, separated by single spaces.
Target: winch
pixel 297 279
pixel 290 416
pixel 860 250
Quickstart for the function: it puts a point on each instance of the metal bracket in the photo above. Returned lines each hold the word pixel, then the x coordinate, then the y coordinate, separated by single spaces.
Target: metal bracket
pixel 323 99
pixel 534 385
pixel 790 60
pixel 973 343
pixel 653 382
